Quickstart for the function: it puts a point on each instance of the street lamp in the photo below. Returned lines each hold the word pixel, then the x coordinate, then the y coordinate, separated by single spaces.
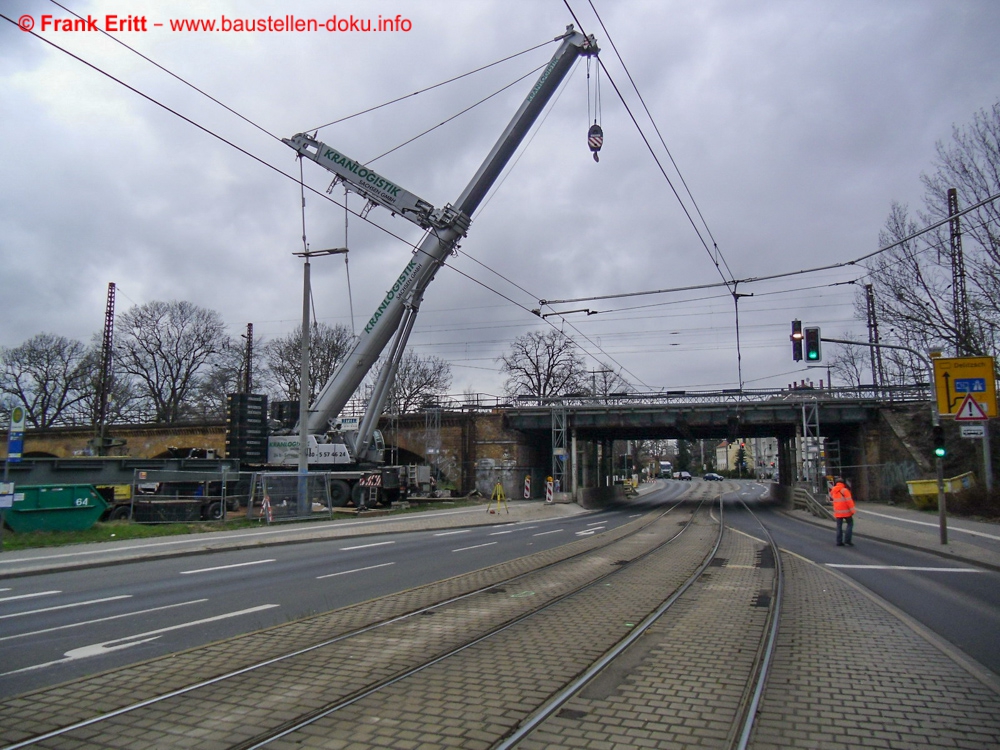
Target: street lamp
pixel 303 506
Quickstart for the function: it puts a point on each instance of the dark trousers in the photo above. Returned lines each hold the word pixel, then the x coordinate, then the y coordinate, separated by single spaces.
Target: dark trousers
pixel 842 537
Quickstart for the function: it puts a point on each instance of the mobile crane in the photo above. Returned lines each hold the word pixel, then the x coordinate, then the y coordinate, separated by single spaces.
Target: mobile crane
pixel 357 444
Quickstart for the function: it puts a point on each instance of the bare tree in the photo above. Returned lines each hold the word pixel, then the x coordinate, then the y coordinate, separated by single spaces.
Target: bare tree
pixel 970 163
pixel 282 359
pixel 850 362
pixel 418 380
pixel 605 382
pixel 49 375
pixel 124 403
pixel 543 365
pixel 169 347
pixel 224 375
pixel 913 281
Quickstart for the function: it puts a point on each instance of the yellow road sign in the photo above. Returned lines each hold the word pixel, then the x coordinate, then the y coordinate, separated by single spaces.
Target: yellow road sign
pixel 958 377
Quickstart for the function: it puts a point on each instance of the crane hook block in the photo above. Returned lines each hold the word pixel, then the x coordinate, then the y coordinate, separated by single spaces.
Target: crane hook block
pixel 595 138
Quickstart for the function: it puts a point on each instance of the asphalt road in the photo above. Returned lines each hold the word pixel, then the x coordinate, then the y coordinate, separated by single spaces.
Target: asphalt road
pixel 59 626
pixel 959 602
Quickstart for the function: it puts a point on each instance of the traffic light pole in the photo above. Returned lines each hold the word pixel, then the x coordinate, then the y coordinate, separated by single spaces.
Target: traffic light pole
pixel 935 422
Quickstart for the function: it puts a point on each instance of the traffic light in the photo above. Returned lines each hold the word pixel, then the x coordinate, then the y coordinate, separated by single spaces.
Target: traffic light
pixel 796 338
pixel 813 352
pixel 939 450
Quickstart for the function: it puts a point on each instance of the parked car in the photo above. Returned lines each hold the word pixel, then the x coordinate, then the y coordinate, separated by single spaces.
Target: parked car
pixel 684 476
pixel 713 477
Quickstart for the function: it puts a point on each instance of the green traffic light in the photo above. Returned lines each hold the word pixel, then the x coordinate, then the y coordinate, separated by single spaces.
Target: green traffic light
pixel 939 452
pixel 813 355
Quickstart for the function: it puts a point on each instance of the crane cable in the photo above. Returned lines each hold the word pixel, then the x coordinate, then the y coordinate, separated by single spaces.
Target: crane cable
pixel 268 164
pixel 429 88
pixel 595 135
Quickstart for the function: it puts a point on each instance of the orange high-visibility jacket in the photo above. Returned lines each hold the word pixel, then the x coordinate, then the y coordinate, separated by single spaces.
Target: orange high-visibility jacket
pixel 843 502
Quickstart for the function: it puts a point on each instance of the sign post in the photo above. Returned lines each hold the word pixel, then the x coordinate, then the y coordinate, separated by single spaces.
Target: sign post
pixel 15 445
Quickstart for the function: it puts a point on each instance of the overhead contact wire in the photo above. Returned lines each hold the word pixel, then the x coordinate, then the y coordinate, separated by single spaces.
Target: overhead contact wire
pixel 172 74
pixel 258 159
pixel 697 208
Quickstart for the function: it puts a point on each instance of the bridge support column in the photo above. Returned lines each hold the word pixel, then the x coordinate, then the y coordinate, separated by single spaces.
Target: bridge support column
pixel 787 460
pixel 573 463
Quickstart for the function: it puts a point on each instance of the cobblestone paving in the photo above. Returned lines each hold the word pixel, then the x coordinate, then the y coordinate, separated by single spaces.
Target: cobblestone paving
pixel 681 684
pixel 48 709
pixel 474 698
pixel 322 675
pixel 848 674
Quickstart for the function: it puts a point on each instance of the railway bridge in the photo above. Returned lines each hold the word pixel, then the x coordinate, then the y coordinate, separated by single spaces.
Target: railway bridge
pixel 571 437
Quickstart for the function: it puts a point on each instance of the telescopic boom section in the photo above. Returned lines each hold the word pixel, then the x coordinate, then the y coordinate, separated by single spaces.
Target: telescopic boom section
pixel 445 227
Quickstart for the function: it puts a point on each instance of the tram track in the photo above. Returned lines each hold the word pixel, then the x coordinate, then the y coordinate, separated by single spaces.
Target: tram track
pixel 583 709
pixel 495 664
pixel 127 691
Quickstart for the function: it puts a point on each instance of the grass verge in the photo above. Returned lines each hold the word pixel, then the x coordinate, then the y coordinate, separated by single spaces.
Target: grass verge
pixel 123 530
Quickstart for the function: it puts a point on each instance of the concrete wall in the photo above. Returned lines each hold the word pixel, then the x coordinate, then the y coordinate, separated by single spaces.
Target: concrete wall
pixel 593 498
pixel 781 494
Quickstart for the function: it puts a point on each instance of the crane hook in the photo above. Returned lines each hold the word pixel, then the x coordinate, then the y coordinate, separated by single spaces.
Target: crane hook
pixel 595 138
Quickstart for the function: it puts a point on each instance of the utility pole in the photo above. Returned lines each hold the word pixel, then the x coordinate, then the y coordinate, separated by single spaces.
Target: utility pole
pixel 959 294
pixel 104 377
pixel 304 386
pixel 878 371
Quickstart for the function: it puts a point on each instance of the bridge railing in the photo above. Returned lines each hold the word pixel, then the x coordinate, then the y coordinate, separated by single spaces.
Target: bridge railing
pixel 882 394
pixel 489 402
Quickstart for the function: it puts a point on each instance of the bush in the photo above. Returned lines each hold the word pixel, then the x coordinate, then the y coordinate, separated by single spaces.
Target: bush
pixel 975 502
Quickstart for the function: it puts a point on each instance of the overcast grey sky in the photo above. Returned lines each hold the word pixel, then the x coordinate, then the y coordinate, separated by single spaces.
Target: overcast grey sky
pixel 794 124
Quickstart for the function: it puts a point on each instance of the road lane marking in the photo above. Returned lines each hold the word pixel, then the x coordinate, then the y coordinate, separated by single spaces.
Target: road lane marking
pixel 102 619
pixel 226 567
pixel 28 596
pixel 65 606
pixel 365 546
pixel 498 533
pixel 588 532
pixel 543 533
pixel 450 533
pixel 933 525
pixel 904 567
pixel 597 523
pixel 476 546
pixel 99 649
pixel 355 570
pixel 231 535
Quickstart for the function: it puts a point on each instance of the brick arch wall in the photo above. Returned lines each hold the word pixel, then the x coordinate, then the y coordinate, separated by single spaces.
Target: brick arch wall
pixel 142 441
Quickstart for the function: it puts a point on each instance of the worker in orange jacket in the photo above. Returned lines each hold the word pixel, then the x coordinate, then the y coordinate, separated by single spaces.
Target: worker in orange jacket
pixel 843 510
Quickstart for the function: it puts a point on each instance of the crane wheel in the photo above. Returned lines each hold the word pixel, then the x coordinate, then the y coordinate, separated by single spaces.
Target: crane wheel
pixel 340 493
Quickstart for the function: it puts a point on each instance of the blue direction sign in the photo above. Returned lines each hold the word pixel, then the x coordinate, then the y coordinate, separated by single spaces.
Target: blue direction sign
pixel 970 385
pixel 15 438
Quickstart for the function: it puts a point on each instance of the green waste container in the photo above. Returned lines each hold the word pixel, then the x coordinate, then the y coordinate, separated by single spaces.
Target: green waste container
pixel 54 507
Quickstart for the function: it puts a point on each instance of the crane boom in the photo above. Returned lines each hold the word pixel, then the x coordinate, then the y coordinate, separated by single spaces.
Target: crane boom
pixel 445 227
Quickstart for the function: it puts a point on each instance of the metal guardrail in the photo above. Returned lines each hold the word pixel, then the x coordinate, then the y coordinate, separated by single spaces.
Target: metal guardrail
pixel 803 498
